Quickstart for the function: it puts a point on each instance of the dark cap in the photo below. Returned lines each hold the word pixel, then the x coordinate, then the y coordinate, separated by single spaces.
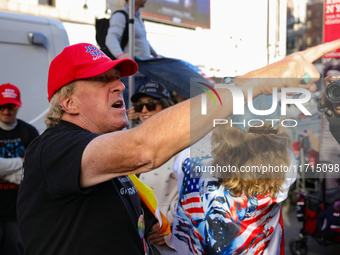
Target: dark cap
pixel 153 89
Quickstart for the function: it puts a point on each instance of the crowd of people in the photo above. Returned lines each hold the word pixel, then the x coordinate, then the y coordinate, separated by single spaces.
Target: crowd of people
pixel 81 188
pixel 77 192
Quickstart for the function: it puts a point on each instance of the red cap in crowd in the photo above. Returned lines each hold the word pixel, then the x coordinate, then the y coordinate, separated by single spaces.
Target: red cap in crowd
pixel 81 61
pixel 9 94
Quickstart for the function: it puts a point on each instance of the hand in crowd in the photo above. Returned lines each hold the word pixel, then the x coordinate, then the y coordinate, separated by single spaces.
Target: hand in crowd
pixel 156 238
pixel 132 115
pixel 324 101
pixel 125 55
pixel 158 56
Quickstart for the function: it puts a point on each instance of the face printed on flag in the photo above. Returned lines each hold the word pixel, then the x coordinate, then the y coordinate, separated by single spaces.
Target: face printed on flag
pixel 223 213
pixel 211 220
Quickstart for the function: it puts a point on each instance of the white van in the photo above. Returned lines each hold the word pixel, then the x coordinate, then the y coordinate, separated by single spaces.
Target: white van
pixel 27 46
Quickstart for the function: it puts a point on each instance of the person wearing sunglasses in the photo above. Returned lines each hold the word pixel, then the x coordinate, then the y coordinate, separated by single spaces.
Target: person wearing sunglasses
pixel 15 136
pixel 151 98
pixel 76 192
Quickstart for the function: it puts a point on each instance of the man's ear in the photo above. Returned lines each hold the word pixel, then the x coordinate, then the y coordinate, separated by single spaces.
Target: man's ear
pixel 68 104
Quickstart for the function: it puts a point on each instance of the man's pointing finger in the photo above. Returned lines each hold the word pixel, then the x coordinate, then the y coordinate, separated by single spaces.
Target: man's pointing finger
pixel 312 54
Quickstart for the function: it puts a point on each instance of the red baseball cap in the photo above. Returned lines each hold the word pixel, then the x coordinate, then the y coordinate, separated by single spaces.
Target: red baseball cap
pixel 83 60
pixel 9 94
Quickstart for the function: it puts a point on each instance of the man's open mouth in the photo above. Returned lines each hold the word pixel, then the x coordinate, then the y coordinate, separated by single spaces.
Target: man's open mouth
pixel 118 104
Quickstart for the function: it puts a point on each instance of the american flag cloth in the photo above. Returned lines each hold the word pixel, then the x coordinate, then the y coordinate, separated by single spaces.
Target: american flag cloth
pixel 190 201
pixel 190 211
pixel 211 220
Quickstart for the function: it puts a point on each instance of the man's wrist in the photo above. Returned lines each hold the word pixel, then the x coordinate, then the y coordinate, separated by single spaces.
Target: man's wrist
pixel 244 84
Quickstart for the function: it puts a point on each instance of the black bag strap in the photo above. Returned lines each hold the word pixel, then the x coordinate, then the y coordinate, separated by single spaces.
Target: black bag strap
pixel 125 37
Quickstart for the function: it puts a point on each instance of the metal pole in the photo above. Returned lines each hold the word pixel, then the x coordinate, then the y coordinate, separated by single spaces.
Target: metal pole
pixel 268 39
pixel 131 51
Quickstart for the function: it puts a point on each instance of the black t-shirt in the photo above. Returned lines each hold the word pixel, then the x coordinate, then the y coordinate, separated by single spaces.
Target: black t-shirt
pixel 55 216
pixel 13 144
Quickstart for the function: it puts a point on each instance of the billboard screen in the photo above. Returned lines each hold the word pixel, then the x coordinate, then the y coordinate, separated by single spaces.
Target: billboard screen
pixel 187 13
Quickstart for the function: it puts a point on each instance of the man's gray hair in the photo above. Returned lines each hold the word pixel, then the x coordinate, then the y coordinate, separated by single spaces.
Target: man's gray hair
pixel 55 112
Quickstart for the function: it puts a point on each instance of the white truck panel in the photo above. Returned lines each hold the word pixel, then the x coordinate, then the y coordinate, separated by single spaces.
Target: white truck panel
pixel 25 64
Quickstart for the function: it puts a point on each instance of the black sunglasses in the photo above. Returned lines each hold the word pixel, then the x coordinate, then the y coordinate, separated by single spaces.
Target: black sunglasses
pixel 151 106
pixel 10 107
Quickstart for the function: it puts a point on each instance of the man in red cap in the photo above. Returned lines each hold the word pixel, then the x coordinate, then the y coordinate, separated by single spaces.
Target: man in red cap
pixel 75 196
pixel 15 136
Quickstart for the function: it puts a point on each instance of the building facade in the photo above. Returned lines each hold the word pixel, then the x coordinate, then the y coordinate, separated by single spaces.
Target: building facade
pixel 252 35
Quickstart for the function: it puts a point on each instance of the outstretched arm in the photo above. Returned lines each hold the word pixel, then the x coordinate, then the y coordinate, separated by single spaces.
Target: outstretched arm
pixel 148 146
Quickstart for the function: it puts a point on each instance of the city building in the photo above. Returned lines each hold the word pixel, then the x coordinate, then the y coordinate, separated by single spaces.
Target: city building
pixel 242 36
pixel 314 26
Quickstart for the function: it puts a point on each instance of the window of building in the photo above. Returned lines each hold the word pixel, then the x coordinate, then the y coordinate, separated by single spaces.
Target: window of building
pixel 318 13
pixel 301 45
pixel 47 2
pixel 291 43
pixel 318 23
pixel 309 24
pixel 318 40
pixel 309 41
pixel 309 13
